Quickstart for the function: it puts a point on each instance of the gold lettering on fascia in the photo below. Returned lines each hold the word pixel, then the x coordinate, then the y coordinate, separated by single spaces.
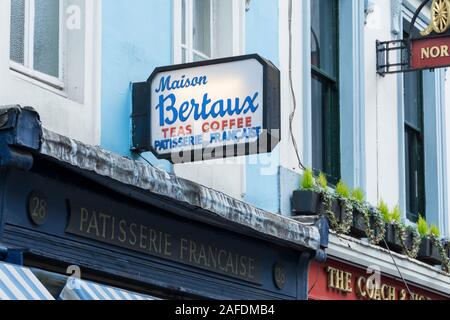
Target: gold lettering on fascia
pixel 339 280
pixel 144 238
pixel 366 288
pixel 434 52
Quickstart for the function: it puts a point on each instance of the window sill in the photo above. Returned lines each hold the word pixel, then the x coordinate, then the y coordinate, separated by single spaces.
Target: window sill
pixel 40 80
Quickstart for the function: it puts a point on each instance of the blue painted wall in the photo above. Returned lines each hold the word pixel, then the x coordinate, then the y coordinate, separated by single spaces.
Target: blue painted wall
pixel 261 34
pixel 262 37
pixel 137 37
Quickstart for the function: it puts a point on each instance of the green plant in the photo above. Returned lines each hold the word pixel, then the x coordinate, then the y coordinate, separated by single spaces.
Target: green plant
pixel 343 190
pixel 441 246
pixel 374 224
pixel 308 181
pixel 342 193
pixel 396 215
pixel 402 232
pixel 422 227
pixel 358 196
pixel 434 231
pixel 322 181
pixel 384 211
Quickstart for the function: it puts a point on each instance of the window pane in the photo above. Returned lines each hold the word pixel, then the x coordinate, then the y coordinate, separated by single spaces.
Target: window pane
pixel 413 114
pixel 325 128
pixel 317 123
pixel 414 150
pixel 198 58
pixel 408 170
pixel 323 35
pixel 414 154
pixel 16 52
pixel 324 94
pixel 415 187
pixel 202 26
pixel 183 55
pixel 183 22
pixel 46 37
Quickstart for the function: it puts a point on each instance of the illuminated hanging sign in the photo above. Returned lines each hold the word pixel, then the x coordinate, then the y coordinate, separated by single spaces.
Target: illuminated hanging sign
pixel 207 110
pixel 428 50
pixel 433 49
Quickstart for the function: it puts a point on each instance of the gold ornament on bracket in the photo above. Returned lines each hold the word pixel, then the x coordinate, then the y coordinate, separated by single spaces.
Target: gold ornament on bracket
pixel 440 17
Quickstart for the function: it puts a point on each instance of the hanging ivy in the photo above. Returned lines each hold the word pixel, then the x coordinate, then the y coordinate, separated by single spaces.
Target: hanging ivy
pixel 347 219
pixel 442 251
pixel 373 218
pixel 327 199
pixel 347 211
pixel 377 234
pixel 402 233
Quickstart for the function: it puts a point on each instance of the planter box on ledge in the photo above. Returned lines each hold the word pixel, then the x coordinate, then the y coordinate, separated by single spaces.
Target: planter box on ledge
pixel 337 209
pixel 358 228
pixel 393 241
pixel 305 203
pixel 448 252
pixel 429 253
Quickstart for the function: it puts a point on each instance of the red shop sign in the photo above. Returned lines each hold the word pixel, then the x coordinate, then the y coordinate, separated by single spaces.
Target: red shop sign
pixel 429 53
pixel 340 281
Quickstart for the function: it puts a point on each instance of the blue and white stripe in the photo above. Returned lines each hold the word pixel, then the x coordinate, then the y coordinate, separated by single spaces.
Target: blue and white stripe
pixel 77 289
pixel 19 283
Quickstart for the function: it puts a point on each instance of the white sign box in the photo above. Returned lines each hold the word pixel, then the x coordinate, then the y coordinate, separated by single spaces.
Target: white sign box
pixel 210 109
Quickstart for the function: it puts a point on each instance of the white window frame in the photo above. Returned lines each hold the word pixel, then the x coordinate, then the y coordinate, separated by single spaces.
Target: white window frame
pixel 189 46
pixel 26 68
pixel 238 16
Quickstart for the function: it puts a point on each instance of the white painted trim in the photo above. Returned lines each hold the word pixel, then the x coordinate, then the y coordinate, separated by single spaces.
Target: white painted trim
pixel 211 28
pixel 365 255
pixel 189 30
pixel 198 53
pixel 29 45
pixel 27 35
pixel 177 29
pixel 238 17
pixel 62 43
pixel 96 24
pixel 237 32
pixel 36 75
pixel 301 77
pixel 307 85
pixel 442 154
pixel 27 68
pixel 42 80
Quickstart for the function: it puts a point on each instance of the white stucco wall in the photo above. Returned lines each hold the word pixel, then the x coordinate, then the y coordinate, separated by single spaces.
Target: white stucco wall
pixel 381 113
pixel 74 114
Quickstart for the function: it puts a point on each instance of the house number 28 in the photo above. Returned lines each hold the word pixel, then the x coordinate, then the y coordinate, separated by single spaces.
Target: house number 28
pixel 37 208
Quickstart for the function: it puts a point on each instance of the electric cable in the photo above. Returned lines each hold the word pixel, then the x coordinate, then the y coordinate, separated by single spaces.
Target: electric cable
pixel 291 119
pixel 294 98
pixel 398 269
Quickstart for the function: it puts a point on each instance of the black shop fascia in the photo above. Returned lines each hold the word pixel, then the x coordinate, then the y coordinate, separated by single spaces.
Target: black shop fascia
pixel 135 227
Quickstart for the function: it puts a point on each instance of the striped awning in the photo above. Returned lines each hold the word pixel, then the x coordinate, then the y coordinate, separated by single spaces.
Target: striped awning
pixel 76 289
pixel 19 283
